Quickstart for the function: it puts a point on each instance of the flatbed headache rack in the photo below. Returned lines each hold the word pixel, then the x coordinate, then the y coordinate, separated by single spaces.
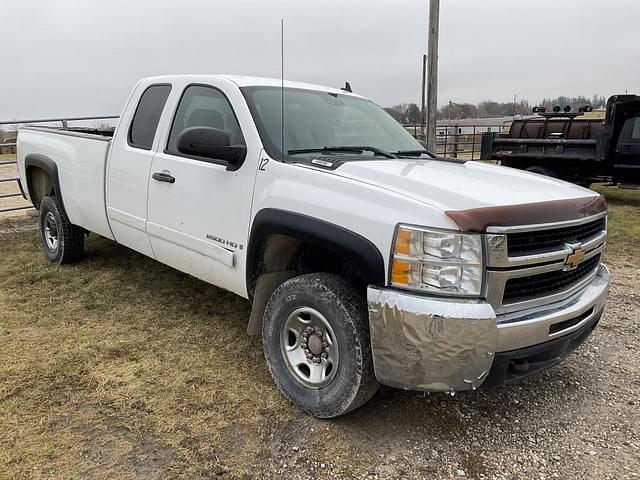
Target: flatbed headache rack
pixel 552 135
pixel 566 145
pixel 8 146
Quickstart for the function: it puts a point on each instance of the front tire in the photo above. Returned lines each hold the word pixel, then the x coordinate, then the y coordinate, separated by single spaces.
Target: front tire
pixel 316 341
pixel 61 241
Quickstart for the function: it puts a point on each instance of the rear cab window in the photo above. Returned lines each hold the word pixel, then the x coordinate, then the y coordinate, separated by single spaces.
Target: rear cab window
pixel 147 116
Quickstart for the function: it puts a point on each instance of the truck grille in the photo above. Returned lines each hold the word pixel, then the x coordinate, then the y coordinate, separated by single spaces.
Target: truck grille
pixel 520 289
pixel 524 243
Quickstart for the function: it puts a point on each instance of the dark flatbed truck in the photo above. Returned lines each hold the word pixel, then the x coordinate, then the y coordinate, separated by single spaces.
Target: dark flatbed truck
pixel 572 146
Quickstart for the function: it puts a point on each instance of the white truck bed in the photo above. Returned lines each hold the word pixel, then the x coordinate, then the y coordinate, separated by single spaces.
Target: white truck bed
pixel 81 161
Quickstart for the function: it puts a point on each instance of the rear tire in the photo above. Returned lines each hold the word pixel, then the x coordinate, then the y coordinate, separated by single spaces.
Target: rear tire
pixel 61 241
pixel 316 342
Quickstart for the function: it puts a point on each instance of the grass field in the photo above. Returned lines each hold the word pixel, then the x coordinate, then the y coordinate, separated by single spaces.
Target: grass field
pixel 624 223
pixel 111 354
pixel 120 367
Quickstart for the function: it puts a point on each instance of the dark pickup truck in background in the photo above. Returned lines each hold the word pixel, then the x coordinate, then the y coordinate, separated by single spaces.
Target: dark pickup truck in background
pixel 572 146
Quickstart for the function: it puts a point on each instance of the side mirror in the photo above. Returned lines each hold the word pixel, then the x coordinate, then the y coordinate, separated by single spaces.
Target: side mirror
pixel 210 143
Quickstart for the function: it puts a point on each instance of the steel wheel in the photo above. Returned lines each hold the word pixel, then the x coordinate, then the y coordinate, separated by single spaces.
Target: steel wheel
pixel 51 232
pixel 61 241
pixel 315 335
pixel 309 347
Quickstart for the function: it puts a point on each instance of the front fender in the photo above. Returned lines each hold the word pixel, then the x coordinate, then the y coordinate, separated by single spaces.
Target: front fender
pixel 317 232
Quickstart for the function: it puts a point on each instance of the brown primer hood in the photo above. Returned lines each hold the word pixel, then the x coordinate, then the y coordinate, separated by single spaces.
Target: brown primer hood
pixel 478 219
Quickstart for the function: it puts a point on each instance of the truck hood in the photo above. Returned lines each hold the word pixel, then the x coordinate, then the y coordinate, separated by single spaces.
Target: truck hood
pixel 461 186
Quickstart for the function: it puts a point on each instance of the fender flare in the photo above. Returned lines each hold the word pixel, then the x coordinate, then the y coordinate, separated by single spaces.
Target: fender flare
pixel 49 166
pixel 318 232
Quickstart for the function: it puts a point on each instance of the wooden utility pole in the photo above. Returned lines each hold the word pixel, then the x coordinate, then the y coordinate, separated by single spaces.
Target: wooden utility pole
pixel 432 97
pixel 423 113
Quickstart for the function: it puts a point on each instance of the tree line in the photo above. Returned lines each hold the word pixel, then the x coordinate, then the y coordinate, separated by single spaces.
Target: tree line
pixel 409 113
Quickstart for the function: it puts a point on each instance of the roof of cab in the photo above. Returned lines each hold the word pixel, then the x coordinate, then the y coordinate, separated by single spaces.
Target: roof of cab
pixel 247 81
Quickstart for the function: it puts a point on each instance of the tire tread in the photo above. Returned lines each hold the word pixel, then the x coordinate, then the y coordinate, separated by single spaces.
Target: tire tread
pixel 355 307
pixel 70 237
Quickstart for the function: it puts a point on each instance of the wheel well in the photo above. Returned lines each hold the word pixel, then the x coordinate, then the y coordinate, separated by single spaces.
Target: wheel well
pixel 286 244
pixel 39 184
pixel 282 240
pixel 278 252
pixel 281 257
pixel 42 179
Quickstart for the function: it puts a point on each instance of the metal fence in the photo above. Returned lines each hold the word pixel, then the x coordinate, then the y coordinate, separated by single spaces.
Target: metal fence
pixel 8 146
pixel 9 175
pixel 460 140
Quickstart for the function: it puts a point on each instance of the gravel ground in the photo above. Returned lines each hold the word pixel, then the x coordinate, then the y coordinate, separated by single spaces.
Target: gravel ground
pixel 578 420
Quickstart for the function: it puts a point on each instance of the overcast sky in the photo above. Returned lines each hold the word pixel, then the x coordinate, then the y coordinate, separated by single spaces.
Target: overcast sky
pixel 81 57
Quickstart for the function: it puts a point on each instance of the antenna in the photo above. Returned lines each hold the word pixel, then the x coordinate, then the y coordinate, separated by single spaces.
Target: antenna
pixel 282 86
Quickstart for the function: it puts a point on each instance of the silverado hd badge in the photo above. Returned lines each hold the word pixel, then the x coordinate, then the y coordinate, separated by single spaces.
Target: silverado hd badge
pixel 224 243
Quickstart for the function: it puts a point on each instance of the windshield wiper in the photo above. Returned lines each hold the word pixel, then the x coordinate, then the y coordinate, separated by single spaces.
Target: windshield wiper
pixel 412 153
pixel 346 148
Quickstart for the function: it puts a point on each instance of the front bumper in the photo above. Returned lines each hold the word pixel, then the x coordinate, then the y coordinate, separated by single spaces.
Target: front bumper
pixel 439 344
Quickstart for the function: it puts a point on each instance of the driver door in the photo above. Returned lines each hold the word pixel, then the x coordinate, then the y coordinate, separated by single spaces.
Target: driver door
pixel 199 209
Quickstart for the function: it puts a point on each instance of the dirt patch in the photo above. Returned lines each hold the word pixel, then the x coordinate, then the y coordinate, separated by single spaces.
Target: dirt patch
pixel 17 223
pixel 110 448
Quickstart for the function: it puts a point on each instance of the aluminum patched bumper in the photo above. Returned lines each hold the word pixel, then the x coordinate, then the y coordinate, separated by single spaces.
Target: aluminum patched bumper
pixel 446 344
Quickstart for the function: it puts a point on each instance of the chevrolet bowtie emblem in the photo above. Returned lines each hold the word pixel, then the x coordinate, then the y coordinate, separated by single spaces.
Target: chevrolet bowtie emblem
pixel 575 258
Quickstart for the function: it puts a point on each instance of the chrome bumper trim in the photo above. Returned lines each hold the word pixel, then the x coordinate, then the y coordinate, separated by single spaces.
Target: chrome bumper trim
pixel 447 344
pixel 526 328
pixel 431 344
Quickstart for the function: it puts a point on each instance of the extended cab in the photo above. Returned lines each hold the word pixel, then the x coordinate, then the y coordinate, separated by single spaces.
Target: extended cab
pixel 367 260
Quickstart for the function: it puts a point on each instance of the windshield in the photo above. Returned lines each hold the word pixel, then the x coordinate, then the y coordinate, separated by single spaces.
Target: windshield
pixel 320 122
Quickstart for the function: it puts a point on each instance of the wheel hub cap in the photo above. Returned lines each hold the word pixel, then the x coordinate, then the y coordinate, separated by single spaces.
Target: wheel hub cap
pixel 51 231
pixel 315 344
pixel 309 347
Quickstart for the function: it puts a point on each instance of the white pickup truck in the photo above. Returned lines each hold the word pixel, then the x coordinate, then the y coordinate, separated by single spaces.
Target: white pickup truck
pixel 367 260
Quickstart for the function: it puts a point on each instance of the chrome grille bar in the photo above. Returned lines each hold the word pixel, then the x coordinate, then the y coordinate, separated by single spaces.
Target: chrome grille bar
pixel 501 267
pixel 497 239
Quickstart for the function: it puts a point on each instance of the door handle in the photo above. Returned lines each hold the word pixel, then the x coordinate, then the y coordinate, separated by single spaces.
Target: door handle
pixel 163 177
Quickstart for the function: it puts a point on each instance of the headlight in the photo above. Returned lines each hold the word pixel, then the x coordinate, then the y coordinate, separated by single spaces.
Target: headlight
pixel 448 263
